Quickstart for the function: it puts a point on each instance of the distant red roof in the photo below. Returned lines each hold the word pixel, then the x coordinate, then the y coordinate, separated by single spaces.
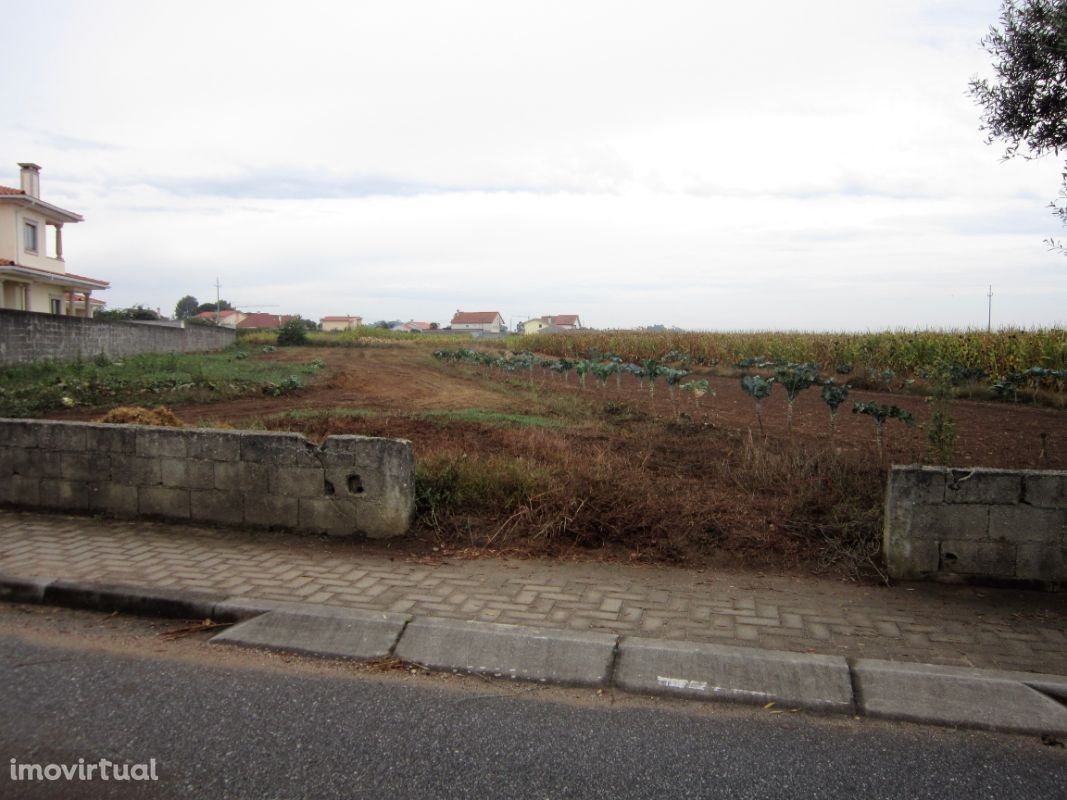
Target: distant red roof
pixel 228 312
pixel 260 321
pixel 563 319
pixel 339 319
pixel 475 317
pixel 9 190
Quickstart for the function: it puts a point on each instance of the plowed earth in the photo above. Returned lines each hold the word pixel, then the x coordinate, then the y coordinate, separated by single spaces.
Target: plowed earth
pixel 627 475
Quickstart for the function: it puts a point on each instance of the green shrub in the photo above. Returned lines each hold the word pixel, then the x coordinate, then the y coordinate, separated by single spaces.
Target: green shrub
pixel 293 334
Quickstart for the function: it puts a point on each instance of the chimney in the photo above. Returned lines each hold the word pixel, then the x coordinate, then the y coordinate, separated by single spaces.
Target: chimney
pixel 31 179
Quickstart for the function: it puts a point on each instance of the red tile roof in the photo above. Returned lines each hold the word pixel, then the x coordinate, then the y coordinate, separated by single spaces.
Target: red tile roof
pixel 339 319
pixel 261 320
pixel 227 312
pixel 563 319
pixel 475 317
pixel 9 190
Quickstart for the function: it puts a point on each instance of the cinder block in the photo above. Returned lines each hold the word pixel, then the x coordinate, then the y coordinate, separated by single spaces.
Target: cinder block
pixel 84 466
pixel 911 559
pixel 380 474
pixel 162 501
pixel 215 445
pixel 187 473
pixel 297 481
pixel 983 486
pixel 62 436
pixel 1041 562
pixel 324 515
pixel 1045 490
pixel 1022 523
pixel 267 511
pixel 19 490
pixel 37 463
pixel 161 442
pixel 948 522
pixel 992 559
pixel 111 438
pixel 8 456
pixel 65 495
pixel 917 485
pixel 383 520
pixel 113 498
pixel 279 449
pixel 20 432
pixel 222 508
pixel 243 476
pixel 136 471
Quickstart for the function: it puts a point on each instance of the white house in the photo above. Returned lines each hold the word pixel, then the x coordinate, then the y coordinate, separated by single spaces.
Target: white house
pixel 566 322
pixel 339 323
pixel 33 271
pixel 227 318
pixel 486 321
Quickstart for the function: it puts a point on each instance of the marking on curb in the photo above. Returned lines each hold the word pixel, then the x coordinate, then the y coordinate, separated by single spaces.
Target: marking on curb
pixel 682 683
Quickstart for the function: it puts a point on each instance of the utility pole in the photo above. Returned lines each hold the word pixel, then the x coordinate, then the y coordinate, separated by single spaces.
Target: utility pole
pixel 217 300
pixel 989 319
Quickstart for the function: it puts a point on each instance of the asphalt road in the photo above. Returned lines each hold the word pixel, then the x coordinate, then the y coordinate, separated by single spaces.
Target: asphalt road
pixel 223 723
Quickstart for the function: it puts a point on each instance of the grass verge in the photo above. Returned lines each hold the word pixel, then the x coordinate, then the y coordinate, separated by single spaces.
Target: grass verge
pixel 149 379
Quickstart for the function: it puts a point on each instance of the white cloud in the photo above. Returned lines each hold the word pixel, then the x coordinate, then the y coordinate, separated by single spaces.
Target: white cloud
pixel 808 165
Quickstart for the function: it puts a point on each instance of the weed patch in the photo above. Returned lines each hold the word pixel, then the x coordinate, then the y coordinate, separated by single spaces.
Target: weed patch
pixel 170 378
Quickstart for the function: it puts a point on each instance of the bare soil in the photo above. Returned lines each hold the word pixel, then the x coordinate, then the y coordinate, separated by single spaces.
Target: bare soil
pixel 639 477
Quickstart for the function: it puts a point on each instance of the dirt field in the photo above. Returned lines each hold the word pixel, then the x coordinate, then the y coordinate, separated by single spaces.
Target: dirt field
pixel 609 472
pixel 408 379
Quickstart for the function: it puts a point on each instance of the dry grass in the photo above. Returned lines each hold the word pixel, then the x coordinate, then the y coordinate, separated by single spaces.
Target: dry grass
pixel 137 415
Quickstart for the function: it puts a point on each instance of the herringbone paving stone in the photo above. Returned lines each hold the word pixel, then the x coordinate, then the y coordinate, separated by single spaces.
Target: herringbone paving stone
pixel 981 627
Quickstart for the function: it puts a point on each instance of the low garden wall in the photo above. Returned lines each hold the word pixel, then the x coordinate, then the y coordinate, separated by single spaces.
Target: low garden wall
pixel 348 485
pixel 27 336
pixel 1004 525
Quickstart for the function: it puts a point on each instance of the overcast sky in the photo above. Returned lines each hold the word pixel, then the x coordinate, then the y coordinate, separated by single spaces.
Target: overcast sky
pixel 811 165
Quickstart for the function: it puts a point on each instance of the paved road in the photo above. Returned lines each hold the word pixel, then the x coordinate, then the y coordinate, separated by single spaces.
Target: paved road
pixel 242 729
pixel 954 625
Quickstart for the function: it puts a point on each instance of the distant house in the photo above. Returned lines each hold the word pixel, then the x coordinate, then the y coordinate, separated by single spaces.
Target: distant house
pixel 340 323
pixel 485 321
pixel 30 278
pixel 228 318
pixel 264 322
pixel 94 304
pixel 552 324
pixel 411 327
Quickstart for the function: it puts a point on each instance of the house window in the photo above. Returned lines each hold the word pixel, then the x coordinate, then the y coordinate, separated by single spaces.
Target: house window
pixel 30 237
pixel 56 305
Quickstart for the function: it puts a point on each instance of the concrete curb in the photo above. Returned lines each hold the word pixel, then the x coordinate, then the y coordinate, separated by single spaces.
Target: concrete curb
pixel 711 671
pixel 343 633
pixel 1010 702
pixel 547 655
pixel 1016 702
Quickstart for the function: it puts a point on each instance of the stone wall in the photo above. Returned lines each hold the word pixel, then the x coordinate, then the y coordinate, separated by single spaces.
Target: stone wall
pixel 1008 525
pixel 348 485
pixel 26 337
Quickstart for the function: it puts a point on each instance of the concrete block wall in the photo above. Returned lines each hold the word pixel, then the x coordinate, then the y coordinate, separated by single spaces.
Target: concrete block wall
pixel 348 485
pixel 1008 525
pixel 27 337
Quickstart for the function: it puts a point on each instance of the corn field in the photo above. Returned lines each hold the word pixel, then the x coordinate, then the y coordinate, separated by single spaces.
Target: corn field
pixel 906 353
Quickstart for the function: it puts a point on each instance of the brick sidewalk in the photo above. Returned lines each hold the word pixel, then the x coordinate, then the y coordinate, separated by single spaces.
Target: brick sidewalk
pixel 919 622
